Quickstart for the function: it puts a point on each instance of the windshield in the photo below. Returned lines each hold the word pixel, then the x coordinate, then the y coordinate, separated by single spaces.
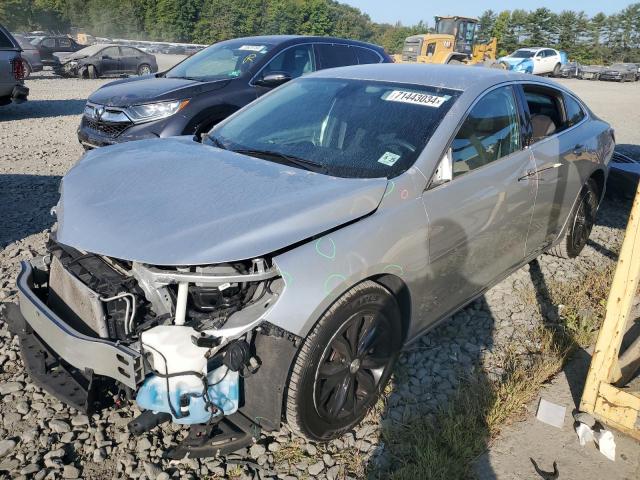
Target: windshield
pixel 446 26
pixel 229 59
pixel 351 128
pixel 523 54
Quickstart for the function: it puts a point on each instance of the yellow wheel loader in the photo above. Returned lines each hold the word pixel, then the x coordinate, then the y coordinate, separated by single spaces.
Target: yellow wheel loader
pixel 454 41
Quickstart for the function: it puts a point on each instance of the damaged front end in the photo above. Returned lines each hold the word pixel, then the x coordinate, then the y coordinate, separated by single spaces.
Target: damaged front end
pixel 188 344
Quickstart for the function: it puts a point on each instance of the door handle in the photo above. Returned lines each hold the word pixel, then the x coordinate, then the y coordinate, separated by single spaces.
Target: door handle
pixel 531 173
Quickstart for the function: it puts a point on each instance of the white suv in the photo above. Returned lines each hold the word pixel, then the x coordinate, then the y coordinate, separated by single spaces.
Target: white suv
pixel 534 60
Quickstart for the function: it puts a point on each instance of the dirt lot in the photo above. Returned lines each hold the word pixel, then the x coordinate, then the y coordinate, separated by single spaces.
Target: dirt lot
pixel 40 436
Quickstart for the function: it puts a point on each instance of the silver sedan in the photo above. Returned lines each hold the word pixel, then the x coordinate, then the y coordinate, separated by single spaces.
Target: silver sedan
pixel 275 271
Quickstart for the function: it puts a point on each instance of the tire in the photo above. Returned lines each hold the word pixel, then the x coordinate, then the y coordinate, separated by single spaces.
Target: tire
pixel 27 69
pixel 580 224
pixel 453 61
pixel 92 72
pixel 330 390
pixel 144 69
pixel 556 70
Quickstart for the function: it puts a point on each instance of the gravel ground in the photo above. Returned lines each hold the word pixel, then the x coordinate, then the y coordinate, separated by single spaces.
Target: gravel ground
pixel 42 438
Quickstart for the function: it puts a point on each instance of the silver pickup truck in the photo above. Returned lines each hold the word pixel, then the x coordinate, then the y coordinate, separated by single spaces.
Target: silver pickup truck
pixel 12 70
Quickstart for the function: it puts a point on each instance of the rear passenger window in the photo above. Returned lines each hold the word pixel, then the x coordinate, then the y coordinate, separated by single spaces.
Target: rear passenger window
pixel 490 131
pixel 546 111
pixel 64 42
pixel 332 56
pixel 366 56
pixel 574 111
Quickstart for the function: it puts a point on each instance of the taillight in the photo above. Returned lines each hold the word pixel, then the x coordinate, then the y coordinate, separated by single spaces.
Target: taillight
pixel 18 68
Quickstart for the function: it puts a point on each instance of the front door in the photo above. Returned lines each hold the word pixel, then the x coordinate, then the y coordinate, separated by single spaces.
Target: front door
pixel 295 61
pixel 110 61
pixel 478 221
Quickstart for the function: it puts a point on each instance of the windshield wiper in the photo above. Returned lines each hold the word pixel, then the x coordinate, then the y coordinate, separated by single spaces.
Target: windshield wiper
pixel 298 162
pixel 216 142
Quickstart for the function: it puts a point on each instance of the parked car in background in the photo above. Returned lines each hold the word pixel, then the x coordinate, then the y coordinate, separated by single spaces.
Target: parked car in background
pixel 620 72
pixel 30 55
pixel 535 60
pixel 12 70
pixel 275 271
pixel 570 70
pixel 107 60
pixel 590 72
pixel 209 86
pixel 52 47
pixel 637 71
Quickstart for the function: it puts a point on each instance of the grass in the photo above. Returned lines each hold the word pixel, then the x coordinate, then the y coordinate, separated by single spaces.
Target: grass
pixel 445 445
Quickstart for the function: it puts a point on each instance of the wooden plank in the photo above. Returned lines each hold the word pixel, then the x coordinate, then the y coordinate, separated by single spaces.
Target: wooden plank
pixel 618 409
pixel 604 364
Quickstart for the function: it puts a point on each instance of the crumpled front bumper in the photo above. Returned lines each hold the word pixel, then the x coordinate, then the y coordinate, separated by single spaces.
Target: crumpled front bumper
pixel 87 354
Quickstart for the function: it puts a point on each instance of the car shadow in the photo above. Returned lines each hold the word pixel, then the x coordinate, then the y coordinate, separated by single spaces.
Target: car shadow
pixel 25 205
pixel 41 109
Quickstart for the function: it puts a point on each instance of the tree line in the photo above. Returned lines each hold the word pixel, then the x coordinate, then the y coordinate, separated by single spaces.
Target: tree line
pixel 597 39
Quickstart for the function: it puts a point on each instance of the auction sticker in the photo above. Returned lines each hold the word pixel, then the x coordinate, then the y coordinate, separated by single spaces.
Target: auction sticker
pixel 252 48
pixel 416 98
pixel 389 158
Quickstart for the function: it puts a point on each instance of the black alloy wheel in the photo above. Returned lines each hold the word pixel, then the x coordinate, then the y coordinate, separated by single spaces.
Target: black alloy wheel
pixel 352 366
pixel 344 363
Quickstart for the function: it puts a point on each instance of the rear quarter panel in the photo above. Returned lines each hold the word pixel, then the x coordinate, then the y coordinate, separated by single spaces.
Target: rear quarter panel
pixel 7 80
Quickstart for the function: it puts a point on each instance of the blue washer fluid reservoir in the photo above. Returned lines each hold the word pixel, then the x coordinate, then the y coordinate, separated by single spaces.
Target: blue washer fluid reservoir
pixel 223 392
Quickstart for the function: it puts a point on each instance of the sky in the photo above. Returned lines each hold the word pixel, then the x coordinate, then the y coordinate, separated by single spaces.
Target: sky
pixel 410 12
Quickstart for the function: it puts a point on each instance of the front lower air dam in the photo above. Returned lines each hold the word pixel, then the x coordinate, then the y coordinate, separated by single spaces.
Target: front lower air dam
pixel 186 385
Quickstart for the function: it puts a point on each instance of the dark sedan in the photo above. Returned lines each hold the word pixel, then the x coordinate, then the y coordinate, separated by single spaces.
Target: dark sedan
pixel 620 72
pixel 209 86
pixel 30 55
pixel 590 72
pixel 104 60
pixel 53 47
pixel 570 70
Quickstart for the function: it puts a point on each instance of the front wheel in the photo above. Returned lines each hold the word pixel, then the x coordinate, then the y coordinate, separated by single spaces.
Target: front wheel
pixel 344 363
pixel 580 224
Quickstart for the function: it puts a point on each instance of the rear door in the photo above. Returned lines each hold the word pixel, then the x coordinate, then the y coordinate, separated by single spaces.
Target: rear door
pixel 129 59
pixel 478 221
pixel 559 147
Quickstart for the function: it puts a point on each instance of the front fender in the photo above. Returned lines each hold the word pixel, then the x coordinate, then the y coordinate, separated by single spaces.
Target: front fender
pixel 391 240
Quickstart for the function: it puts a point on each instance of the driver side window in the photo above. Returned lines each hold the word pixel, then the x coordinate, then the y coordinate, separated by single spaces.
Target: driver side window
pixel 296 61
pixel 111 52
pixel 490 131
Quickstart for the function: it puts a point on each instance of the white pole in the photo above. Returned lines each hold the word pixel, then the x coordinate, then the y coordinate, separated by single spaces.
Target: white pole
pixel 181 303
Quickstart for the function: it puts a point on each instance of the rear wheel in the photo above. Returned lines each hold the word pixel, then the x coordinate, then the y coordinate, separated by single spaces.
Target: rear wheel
pixel 344 363
pixel 144 69
pixel 556 70
pixel 580 224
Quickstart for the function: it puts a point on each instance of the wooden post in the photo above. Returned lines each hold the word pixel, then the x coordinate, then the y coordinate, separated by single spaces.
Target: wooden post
pixel 612 405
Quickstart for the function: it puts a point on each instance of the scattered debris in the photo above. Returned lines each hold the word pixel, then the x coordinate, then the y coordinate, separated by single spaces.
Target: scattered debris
pixel 546 475
pixel 551 413
pixel 606 444
pixel 585 434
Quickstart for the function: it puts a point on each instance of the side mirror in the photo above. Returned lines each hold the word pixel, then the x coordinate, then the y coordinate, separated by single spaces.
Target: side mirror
pixel 274 79
pixel 444 172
